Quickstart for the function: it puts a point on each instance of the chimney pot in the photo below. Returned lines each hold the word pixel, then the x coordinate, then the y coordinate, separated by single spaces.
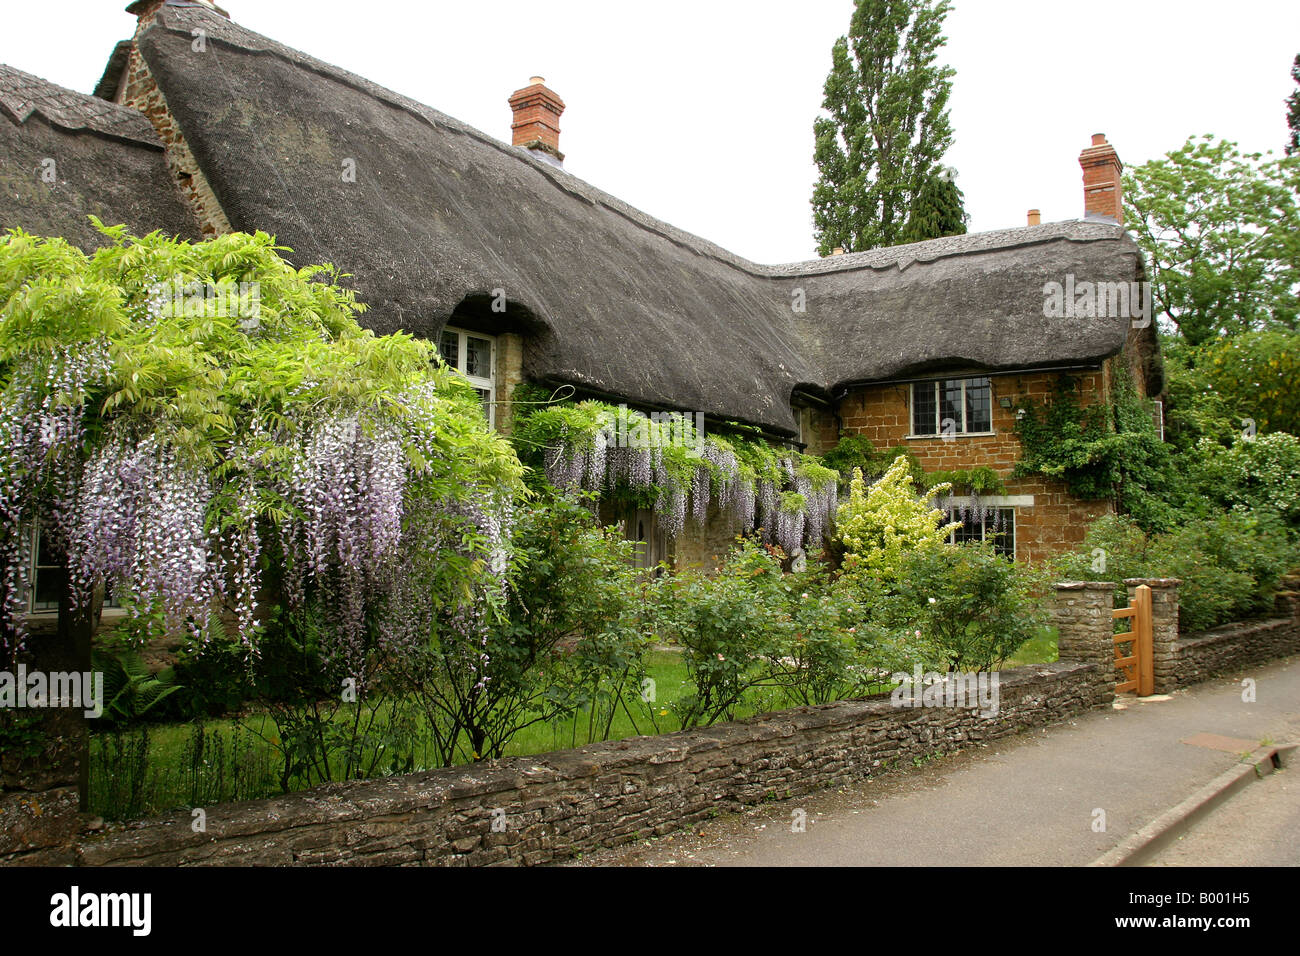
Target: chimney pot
pixel 1034 217
pixel 536 125
pixel 1098 139
pixel 837 251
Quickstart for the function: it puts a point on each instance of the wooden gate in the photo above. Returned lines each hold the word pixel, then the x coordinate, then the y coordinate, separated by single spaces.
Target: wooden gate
pixel 1133 648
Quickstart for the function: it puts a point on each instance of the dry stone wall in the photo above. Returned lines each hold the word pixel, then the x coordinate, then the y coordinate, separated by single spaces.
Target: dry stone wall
pixel 538 809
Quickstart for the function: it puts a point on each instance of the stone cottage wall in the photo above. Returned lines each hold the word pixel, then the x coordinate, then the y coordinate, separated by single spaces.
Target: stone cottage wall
pixel 1057 521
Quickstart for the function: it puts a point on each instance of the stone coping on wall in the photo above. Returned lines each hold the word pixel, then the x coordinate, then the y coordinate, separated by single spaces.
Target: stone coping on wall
pixel 553 805
pixel 1236 629
pixel 1229 648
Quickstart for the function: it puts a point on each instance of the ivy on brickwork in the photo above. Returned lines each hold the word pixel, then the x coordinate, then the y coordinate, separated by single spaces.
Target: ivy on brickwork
pixel 1108 449
pixel 858 452
pixel 667 462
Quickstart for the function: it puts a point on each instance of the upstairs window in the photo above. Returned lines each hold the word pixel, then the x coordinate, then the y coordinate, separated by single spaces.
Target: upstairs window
pixel 474 356
pixel 952 406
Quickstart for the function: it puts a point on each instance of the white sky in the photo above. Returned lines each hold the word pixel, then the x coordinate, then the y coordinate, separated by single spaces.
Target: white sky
pixel 700 111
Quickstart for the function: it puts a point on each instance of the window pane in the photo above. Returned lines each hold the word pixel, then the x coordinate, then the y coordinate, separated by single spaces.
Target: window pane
pixel 478 357
pixel 970 530
pixel 950 407
pixel 448 347
pixel 45 556
pixel 50 583
pixel 485 399
pixel 1001 529
pixel 923 408
pixel 979 411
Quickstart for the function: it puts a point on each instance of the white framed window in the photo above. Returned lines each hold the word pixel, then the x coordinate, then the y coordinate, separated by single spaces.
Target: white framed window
pixel 997 525
pixel 474 355
pixel 49 577
pixel 952 406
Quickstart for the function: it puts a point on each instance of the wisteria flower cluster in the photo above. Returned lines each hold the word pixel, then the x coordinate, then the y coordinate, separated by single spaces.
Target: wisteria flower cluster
pixel 791 497
pixel 202 467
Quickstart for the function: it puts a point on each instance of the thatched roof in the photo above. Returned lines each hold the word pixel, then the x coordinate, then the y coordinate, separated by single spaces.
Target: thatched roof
pixel 107 161
pixel 974 300
pixel 614 301
pixel 619 303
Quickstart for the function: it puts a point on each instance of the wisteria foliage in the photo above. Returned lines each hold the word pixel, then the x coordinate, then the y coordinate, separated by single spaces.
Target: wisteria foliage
pixel 176 457
pixel 791 497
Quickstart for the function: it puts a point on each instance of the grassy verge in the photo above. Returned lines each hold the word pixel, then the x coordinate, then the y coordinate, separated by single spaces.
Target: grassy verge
pixel 167 766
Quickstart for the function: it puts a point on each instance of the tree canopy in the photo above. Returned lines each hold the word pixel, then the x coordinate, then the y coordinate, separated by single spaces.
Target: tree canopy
pixel 886 128
pixel 1221 233
pixel 192 423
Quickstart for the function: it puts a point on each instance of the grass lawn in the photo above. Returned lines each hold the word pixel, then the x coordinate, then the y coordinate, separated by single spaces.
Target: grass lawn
pixel 169 766
pixel 1038 650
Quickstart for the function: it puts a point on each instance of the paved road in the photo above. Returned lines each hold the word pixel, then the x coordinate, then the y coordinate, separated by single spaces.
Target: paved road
pixel 1030 800
pixel 1259 826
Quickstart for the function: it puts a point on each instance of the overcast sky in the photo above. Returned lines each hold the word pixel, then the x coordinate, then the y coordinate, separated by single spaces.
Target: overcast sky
pixel 700 111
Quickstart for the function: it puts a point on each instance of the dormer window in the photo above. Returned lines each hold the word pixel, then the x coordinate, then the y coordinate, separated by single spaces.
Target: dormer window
pixel 474 355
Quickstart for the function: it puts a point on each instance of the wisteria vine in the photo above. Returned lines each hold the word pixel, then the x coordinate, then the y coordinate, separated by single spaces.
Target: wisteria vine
pixel 789 496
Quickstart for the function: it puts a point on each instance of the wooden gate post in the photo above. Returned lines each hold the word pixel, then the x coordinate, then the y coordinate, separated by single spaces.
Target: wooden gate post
pixel 1142 644
pixel 1164 629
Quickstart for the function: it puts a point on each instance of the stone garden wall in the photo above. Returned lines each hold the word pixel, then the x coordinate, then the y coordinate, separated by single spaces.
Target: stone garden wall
pixel 550 806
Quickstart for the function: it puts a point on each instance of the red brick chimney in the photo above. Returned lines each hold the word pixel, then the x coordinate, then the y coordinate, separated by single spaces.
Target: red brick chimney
pixel 537 120
pixel 1103 194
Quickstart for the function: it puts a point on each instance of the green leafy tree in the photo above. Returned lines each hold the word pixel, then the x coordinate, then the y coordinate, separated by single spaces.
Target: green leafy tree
pixel 1257 375
pixel 937 210
pixel 1221 232
pixel 1293 111
pixel 886 128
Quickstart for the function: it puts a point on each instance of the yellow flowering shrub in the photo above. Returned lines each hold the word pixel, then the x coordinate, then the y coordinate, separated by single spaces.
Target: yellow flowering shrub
pixel 880 525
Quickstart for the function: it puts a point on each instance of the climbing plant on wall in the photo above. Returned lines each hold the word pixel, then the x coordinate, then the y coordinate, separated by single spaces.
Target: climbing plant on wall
pixel 1107 449
pixel 667 462
pixel 184 420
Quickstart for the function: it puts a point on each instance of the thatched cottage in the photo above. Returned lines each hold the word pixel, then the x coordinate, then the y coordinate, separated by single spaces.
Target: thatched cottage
pixel 199 126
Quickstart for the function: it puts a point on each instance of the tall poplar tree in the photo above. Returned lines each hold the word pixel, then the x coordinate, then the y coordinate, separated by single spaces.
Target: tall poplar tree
pixel 1293 111
pixel 886 128
pixel 937 210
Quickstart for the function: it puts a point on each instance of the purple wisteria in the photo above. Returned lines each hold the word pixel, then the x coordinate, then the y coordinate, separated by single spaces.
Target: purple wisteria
pixel 588 462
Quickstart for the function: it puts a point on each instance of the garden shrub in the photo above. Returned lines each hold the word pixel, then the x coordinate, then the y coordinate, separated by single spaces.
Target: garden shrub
pixel 1260 475
pixel 729 626
pixel 1229 565
pixel 878 527
pixel 967 607
pixel 827 651
pixel 559 631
